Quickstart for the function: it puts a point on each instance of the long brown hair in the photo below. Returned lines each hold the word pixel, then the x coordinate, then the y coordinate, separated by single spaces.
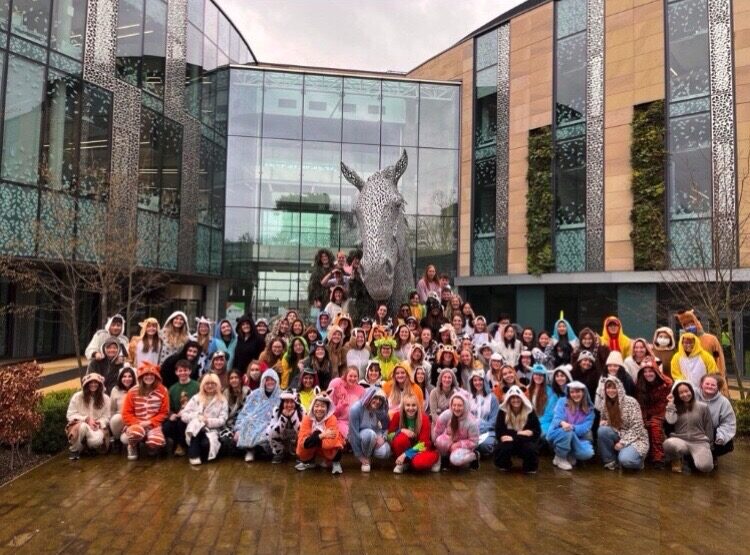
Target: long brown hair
pixel 679 404
pixel 537 394
pixel 583 405
pixel 614 414
pixel 150 343
pixel 454 419
pixel 98 396
pixel 426 279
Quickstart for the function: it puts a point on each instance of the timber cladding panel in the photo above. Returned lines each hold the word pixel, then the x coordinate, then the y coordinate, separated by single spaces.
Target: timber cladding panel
pixel 531 45
pixel 457 64
pixel 634 74
pixel 741 24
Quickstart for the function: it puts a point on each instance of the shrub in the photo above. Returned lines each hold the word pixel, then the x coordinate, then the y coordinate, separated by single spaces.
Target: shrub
pixel 19 416
pixel 540 203
pixel 742 410
pixel 50 438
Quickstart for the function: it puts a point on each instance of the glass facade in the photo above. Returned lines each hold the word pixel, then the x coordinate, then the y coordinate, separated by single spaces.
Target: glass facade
pixel 689 192
pixel 485 152
pixel 569 175
pixel 142 44
pixel 285 197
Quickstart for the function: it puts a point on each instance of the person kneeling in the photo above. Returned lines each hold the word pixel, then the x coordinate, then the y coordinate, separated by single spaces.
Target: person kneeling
pixel 145 408
pixel 570 429
pixel 457 433
pixel 368 421
pixel 204 415
pixel 319 437
pixel 622 437
pixel 518 431
pixel 409 434
pixel 284 427
pixel 88 417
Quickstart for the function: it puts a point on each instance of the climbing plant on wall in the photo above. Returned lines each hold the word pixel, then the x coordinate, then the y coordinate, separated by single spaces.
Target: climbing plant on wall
pixel 647 159
pixel 539 203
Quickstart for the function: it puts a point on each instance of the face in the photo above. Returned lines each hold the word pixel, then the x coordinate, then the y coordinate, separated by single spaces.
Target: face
pixel 192 353
pixel 220 363
pixel 382 311
pixel 261 328
pixel 183 373
pixel 445 337
pixel 225 328
pixel 404 334
pixel 528 336
pixel 291 316
pixel 149 379
pixel 509 375
pixel 284 326
pixel 543 340
pixel 344 324
pixel 299 348
pixel 289 405
pixel 688 344
pixel 209 387
pixel 93 386
pixel 509 333
pixel 410 408
pixel 414 299
pixel 587 340
pixel 319 409
pixel 399 376
pixel 324 320
pixel 127 380
pixel 526 360
pixel 373 373
pixel 584 363
pixel 352 376
pixel 151 328
pixel 477 382
pixel 465 358
pixel 178 321
pixel 480 325
pixel 611 390
pixel 649 375
pixel 639 350
pixel 360 339
pixel 457 407
pixel 457 322
pixel 277 347
pixel 495 365
pixel 320 352
pixel 254 372
pixel 337 296
pixel 111 350
pixel 269 384
pixel 562 329
pixel 324 259
pixel 515 402
pixel 312 337
pixel 613 328
pixel 115 328
pixel 245 327
pixel 709 387
pixel 420 376
pixel 560 378
pixel 297 327
pixel 307 381
pixel 446 381
pixel 426 335
pixel 612 368
pixel 445 295
pixel 341 259
pixel 404 310
pixel 431 272
pixel 576 395
pixel 684 393
pixel 538 379
pixel 466 344
pixel 466 309
pixel 386 351
pixel 455 303
pixel 337 337
pixel 375 403
pixel 235 381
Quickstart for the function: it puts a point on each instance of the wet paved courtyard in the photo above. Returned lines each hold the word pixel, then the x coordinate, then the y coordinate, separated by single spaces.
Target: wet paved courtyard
pixel 107 505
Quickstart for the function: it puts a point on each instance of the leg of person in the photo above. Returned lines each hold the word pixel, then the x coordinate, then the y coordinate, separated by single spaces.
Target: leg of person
pixel 306 456
pixel 135 434
pixel 424 460
pixel 674 450
pixel 155 439
pixel 606 439
pixel 561 444
pixel 503 455
pixel 400 444
pixel 629 457
pixel 582 449
pixel 367 440
pixel 721 450
pixel 276 441
pixel 116 425
pixel 462 457
pixel 205 446
pixel 529 453
pixel 487 447
pixel 76 434
pixel 443 444
pixel 383 451
pixel 194 448
pixel 94 438
pixel 702 458
pixel 655 428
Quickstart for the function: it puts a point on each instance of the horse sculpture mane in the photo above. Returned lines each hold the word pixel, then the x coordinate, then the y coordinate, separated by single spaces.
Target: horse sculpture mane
pixel 386 268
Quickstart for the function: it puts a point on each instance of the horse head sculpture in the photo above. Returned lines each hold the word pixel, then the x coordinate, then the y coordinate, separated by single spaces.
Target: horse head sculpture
pixel 385 267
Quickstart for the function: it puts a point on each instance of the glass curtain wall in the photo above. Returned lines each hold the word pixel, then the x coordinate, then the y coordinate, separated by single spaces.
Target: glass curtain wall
pixel 689 191
pixel 485 152
pixel 285 197
pixel 570 136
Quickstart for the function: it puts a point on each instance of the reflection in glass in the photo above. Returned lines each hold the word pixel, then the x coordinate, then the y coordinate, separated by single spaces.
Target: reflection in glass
pixel 361 110
pixel 63 105
pixel 223 42
pixel 322 114
pixel 438 116
pixel 171 176
pixel 95 153
pixel 437 194
pixel 211 21
pixel 195 13
pixel 321 176
pixel 281 173
pixel 149 161
pixel 22 122
pixel 407 185
pixel 282 105
pixel 570 100
pixel 30 19
pixel 154 47
pixel 688 49
pixel 193 70
pixel 400 124
pixel 69 27
pixel 486 46
pixel 245 102
pixel 243 171
pixel 129 40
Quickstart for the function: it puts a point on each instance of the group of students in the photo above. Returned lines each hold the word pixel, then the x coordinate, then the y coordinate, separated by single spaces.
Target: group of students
pixel 432 387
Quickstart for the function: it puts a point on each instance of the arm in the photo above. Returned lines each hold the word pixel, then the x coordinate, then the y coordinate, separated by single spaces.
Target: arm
pixel 489 424
pixel 676 370
pixel 533 424
pixel 74 413
pixel 472 441
pixel 671 414
pixel 325 279
pixel 599 402
pixel 93 347
pixel 585 426
pixel 128 409
pixel 304 431
pixel 191 410
pixel 334 442
pixel 163 413
pixel 501 428
pixel 220 420
pixel 558 414
pixel 727 423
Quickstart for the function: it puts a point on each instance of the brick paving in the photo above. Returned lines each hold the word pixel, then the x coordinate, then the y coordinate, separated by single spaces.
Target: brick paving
pixel 162 505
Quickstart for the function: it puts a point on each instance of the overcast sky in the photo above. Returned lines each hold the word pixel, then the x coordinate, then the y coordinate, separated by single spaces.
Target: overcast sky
pixel 376 35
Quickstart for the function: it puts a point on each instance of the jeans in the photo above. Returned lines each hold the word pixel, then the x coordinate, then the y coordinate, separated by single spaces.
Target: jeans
pixel 566 443
pixel 628 457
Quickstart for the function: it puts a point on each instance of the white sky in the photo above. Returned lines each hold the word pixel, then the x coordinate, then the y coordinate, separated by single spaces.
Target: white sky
pixel 376 35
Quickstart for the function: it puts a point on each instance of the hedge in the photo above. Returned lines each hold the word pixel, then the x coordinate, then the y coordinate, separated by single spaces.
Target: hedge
pixel 50 438
pixel 742 410
pixel 539 203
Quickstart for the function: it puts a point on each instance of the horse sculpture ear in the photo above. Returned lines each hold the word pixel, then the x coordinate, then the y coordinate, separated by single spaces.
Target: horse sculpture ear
pixel 352 176
pixel 400 166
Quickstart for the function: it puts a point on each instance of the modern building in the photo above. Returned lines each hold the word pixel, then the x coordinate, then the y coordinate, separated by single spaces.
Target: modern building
pixel 569 155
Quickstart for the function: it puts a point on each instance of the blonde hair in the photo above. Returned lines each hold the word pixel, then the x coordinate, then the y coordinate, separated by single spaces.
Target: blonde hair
pixel 410 397
pixel 213 378
pixel 518 421
pixel 397 394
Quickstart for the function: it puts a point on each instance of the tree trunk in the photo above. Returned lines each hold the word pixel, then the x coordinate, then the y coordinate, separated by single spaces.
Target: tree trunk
pixel 73 323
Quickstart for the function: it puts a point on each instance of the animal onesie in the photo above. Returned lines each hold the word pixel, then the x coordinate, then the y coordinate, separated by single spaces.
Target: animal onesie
pixel 620 342
pixel 309 443
pixel 343 396
pixel 439 399
pixel 524 447
pixel 632 433
pixel 283 430
pixel 226 433
pixel 652 398
pixel 622 374
pixel 631 365
pixel 108 368
pixel 246 349
pixel 289 370
pixel 97 341
pixel 386 364
pixel 724 422
pixel 665 352
pixel 484 406
pixel 367 425
pixel 394 396
pixel 693 432
pixel 78 430
pixel 459 447
pixel 253 419
pixel 357 357
pixel 420 453
pixel 168 368
pixel 229 346
pixel 204 436
pixel 709 342
pixel 570 335
pixel 575 442
pixel 169 348
pixel 694 366
pixel 152 407
pixel 600 352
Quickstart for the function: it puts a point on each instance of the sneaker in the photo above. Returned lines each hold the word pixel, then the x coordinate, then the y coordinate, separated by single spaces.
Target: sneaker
pixel 74 455
pixel 530 472
pixel 365 468
pixel 324 464
pixel 179 451
pixel 474 465
pixel 398 469
pixel 436 466
pixel 337 468
pixel 277 459
pixel 659 465
pixel 572 459
pixel 677 465
pixel 562 463
pixel 304 465
pixel 611 465
pixel 195 461
pixel 249 456
pixel 132 452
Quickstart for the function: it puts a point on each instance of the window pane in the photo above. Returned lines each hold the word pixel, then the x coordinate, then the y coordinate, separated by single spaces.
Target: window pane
pixel 69 27
pixel 154 47
pixel 95 147
pixel 209 55
pixel 235 46
pixel 322 118
pixel 438 113
pixel 222 101
pixel 362 111
pixel 321 176
pixel 171 168
pixel 282 106
pixel 245 102
pixel 211 24
pixel 149 160
pixel 363 159
pixel 400 113
pixel 487 50
pixel 243 171
pixel 61 134
pixel 690 160
pixel 437 192
pixel 31 19
pixel 688 49
pixel 195 13
pixel 570 17
pixel 23 119
pixel 571 79
pixel 280 176
pixel 407 185
pixel 4 15
pixel 436 243
pixel 570 173
pixel 129 39
pixel 223 34
pixel 193 70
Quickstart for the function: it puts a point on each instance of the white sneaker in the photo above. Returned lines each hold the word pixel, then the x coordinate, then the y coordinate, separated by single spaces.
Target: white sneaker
pixel 249 456
pixel 196 461
pixel 561 463
pixel 132 452
pixel 572 459
pixel 324 464
pixel 365 468
pixel 304 465
pixel 398 469
pixel 436 467
pixel 611 465
pixel 337 468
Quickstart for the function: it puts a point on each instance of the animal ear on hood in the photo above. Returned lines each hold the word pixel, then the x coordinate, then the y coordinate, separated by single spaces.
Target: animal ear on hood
pixel 400 167
pixel 352 176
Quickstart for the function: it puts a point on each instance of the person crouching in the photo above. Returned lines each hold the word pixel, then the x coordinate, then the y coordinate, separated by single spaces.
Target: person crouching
pixel 319 436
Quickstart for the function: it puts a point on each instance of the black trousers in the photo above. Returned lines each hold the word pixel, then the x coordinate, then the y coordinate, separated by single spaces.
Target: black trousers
pixel 199 446
pixel 175 430
pixel 527 451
